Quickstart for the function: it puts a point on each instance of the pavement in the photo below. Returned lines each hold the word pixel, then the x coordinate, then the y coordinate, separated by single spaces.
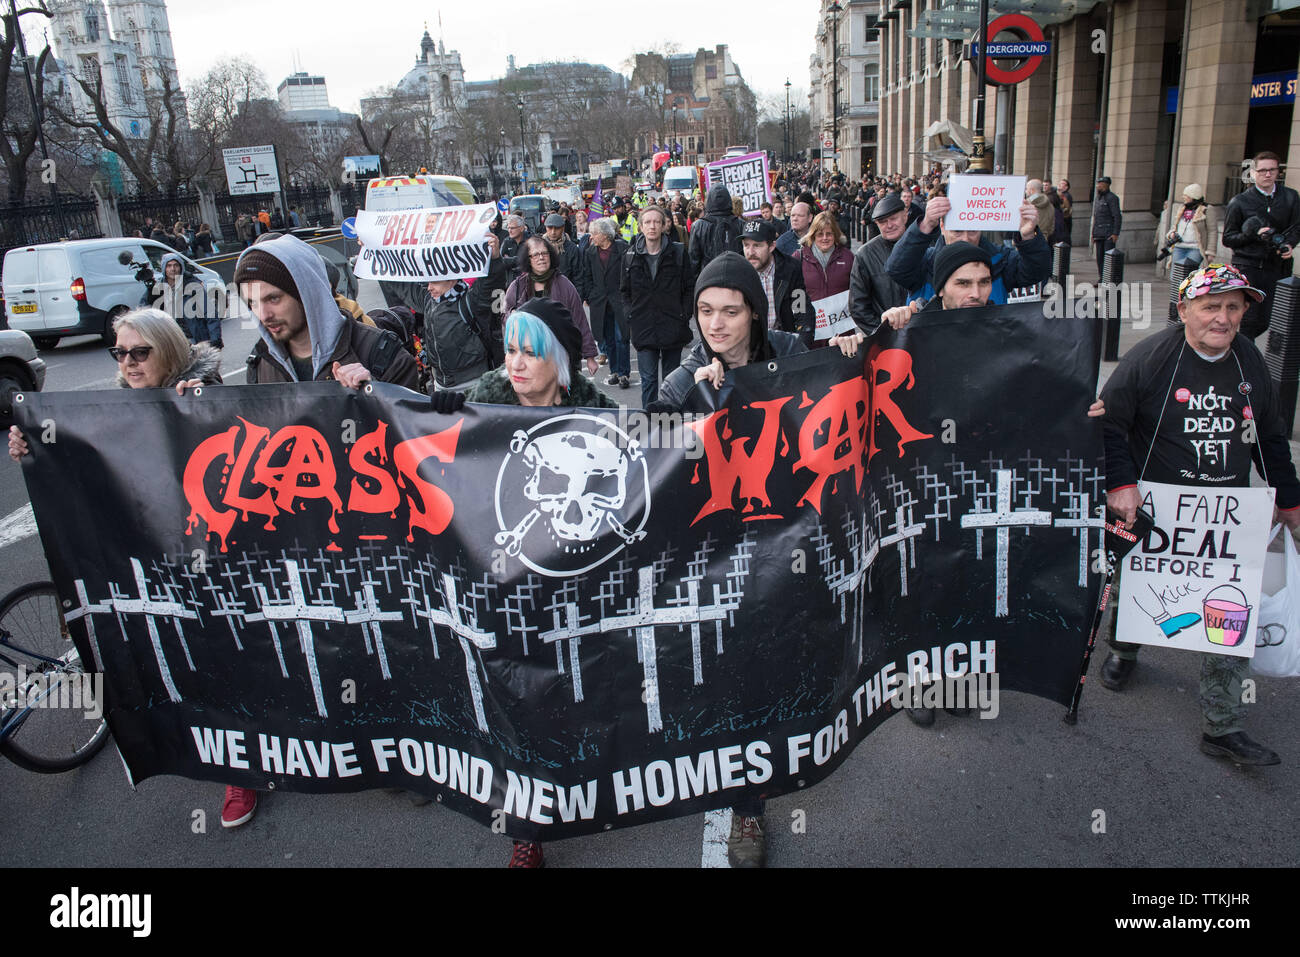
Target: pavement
pixel 1125 787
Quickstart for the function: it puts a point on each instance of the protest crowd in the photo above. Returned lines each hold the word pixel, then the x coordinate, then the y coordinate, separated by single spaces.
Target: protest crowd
pixel 693 291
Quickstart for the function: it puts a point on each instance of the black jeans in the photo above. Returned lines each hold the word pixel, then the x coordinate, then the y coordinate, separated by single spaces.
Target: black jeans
pixel 648 362
pixel 1263 278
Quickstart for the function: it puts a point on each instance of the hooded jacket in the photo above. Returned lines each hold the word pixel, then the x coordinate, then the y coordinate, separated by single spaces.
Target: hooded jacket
pixel 335 337
pixel 717 231
pixel 658 308
pixel 728 271
pixel 172 299
pixel 911 264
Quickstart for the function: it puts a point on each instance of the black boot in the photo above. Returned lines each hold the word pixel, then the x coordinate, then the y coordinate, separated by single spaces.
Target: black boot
pixel 1115 671
pixel 922 716
pixel 1240 747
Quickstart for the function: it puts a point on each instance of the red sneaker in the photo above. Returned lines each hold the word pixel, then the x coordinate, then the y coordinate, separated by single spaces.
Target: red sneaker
pixel 238 807
pixel 527 854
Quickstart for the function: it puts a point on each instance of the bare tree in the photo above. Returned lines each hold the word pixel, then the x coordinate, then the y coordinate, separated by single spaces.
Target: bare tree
pixel 19 130
pixel 221 102
pixel 163 158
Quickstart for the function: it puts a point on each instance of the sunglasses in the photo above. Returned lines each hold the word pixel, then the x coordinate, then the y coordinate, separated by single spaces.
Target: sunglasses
pixel 139 353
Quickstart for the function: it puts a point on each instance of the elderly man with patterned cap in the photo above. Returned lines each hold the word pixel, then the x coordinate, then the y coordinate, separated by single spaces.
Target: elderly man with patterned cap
pixel 1150 436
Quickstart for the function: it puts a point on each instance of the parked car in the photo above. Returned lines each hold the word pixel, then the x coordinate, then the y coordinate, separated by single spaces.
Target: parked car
pixel 79 288
pixel 21 370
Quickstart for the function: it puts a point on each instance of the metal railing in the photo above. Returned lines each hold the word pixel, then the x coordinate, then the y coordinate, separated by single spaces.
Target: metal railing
pixel 30 223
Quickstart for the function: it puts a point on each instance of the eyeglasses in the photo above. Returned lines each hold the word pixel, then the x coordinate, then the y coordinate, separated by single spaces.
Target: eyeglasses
pixel 1267 169
pixel 541 255
pixel 138 353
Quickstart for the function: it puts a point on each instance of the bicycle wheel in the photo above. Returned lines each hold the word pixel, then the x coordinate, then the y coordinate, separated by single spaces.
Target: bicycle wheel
pixel 47 715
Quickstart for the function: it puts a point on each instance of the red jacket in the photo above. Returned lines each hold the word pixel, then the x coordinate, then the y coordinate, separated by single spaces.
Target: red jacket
pixel 832 280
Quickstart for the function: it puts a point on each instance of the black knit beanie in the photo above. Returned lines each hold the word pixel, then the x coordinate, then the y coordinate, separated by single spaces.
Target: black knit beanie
pixel 257 265
pixel 952 257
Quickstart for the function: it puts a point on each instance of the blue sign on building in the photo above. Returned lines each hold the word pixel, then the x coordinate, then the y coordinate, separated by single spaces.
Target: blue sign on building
pixel 1273 89
pixel 1266 89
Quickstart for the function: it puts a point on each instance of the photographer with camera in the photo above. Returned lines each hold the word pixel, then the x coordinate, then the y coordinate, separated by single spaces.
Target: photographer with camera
pixel 1262 225
pixel 1189 238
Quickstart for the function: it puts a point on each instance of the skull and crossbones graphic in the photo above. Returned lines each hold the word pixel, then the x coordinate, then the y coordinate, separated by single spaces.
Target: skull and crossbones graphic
pixel 576 486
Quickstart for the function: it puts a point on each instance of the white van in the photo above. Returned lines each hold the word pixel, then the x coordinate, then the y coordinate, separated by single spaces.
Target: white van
pixel 683 179
pixel 421 191
pixel 79 288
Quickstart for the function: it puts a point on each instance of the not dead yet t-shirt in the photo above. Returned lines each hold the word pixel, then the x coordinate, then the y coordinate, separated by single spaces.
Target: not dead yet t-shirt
pixel 1200 438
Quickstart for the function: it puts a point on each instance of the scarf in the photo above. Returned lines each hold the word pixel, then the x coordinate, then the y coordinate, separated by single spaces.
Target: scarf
pixel 823 257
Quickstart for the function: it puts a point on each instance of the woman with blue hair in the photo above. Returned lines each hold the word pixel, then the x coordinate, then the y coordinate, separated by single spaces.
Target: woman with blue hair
pixel 543 348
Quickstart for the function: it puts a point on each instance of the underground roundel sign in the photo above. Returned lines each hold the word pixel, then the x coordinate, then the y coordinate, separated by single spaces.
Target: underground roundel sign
pixel 1010 62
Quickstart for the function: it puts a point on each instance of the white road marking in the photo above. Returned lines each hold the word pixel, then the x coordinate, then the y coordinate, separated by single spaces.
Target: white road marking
pixel 17 525
pixel 717 828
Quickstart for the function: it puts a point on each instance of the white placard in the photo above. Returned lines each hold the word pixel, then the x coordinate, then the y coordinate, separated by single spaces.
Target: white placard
pixel 1194 581
pixel 419 245
pixel 833 316
pixel 985 202
pixel 251 169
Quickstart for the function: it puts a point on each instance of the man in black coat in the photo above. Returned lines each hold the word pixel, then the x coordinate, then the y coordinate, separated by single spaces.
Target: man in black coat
pixel 871 289
pixel 658 291
pixel 1262 226
pixel 602 274
pixel 717 231
pixel 1106 220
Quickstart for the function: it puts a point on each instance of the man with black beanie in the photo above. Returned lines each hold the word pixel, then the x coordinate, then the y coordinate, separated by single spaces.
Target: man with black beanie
pixel 963 276
pixel 305 337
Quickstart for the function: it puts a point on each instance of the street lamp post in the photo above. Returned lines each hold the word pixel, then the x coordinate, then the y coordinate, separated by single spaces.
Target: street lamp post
pixel 673 151
pixel 835 9
pixel 980 161
pixel 522 148
pixel 785 158
pixel 505 171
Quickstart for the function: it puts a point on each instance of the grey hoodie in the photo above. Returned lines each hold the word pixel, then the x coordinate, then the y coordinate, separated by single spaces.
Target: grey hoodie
pixel 324 321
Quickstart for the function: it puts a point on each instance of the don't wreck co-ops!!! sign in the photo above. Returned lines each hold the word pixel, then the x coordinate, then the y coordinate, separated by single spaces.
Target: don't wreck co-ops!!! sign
pixel 985 202
pixel 419 245
pixel 1194 581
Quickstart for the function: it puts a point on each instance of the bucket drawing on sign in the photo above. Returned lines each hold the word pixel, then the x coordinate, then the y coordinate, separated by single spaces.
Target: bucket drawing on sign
pixel 1226 616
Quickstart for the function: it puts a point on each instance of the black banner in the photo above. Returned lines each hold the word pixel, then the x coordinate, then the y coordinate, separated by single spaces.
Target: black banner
pixel 580 620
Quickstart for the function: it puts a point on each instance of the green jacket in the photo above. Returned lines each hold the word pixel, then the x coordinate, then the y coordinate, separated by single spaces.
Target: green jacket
pixel 494 388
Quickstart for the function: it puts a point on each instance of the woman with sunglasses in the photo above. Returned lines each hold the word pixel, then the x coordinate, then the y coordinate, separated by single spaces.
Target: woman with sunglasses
pixel 151 353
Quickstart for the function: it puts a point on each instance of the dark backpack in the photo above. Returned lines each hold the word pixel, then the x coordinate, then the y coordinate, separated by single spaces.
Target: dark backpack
pixel 401 327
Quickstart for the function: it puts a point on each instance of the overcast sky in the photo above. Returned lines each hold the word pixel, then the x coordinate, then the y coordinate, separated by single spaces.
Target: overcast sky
pixel 364 44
